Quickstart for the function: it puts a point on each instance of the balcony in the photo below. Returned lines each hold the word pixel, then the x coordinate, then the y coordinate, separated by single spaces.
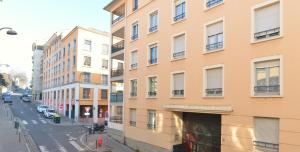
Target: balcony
pixel 214 92
pixel 116 119
pixel 134 66
pixel 151 126
pixel 178 93
pixel 178 55
pixel 117 72
pixel 152 93
pixel 214 46
pixel 116 97
pixel 132 123
pixel 117 46
pixel 267 90
pixel 211 3
pixel 264 146
pixel 133 94
pixel 114 21
pixel 153 61
pixel 153 28
pixel 179 17
pixel 134 37
pixel 267 33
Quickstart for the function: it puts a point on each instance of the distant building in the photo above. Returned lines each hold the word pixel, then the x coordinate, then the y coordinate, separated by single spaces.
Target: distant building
pixel 37 71
pixel 5 71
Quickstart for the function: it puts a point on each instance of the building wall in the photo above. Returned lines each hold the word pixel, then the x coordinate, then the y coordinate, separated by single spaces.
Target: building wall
pixel 236 57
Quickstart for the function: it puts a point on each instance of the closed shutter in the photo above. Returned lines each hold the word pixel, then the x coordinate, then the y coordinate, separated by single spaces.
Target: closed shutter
pixel 270 63
pixel 214 78
pixel 133 115
pixel 266 130
pixel 267 18
pixel 134 57
pixel 178 81
pixel 215 28
pixel 179 43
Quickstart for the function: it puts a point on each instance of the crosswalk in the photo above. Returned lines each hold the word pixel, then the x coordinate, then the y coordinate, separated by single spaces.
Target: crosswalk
pixel 60 148
pixel 34 122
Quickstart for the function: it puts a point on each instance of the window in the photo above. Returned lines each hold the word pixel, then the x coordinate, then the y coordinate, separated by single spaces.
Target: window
pixel 152 86
pixel 87 45
pixel 214 82
pixel 69 46
pixel 179 46
pixel 73 76
pixel 74 60
pixel 214 36
pixel 151 119
pixel 267 21
pixel 104 94
pixel 153 54
pixel 133 88
pixel 132 121
pixel 64 52
pixel 134 59
pixel 104 64
pixel 74 45
pixel 266 131
pixel 135 31
pixel 135 5
pixel 104 79
pixel 178 85
pixel 179 10
pixel 87 61
pixel 105 49
pixel 267 78
pixel 68 64
pixel 153 21
pixel 211 3
pixel 86 77
pixel 86 93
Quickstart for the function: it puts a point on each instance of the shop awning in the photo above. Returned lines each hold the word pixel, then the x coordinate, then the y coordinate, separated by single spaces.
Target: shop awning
pixel 215 109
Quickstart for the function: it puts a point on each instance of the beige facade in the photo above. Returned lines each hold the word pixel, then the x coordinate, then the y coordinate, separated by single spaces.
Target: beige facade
pixel 210 75
pixel 76 73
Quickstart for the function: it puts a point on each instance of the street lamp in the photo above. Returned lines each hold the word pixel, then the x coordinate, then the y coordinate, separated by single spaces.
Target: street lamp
pixel 10 31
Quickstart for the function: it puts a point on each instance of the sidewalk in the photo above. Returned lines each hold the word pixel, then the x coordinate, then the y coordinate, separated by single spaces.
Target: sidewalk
pixel 9 141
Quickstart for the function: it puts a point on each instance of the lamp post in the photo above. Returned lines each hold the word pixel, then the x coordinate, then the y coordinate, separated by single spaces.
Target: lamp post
pixel 10 31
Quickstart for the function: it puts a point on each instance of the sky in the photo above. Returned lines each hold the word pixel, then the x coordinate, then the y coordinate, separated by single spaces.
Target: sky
pixel 37 20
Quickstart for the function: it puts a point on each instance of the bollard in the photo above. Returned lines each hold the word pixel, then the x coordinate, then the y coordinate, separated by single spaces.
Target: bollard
pixel 100 141
pixel 19 137
pixel 86 137
pixel 96 144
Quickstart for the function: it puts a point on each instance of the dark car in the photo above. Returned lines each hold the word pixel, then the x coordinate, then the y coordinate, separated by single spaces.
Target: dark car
pixel 7 99
pixel 96 128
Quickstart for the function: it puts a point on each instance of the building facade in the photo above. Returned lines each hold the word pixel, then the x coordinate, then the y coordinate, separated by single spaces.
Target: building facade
pixel 37 71
pixel 209 75
pixel 76 74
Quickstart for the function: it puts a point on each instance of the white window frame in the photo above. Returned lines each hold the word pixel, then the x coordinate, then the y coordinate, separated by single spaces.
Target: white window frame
pixel 136 22
pixel 205 80
pixel 205 8
pixel 149 21
pixel 261 5
pixel 130 119
pixel 222 19
pixel 173 5
pixel 148 85
pixel 149 54
pixel 155 123
pixel 253 72
pixel 185 45
pixel 172 85
pixel 137 89
pixel 137 60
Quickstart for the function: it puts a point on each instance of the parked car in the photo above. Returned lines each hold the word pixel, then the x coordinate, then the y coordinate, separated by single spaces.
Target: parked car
pixel 48 113
pixel 7 99
pixel 41 108
pixel 96 128
pixel 26 98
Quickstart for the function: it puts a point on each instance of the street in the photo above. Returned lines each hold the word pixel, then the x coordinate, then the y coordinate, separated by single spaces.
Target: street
pixel 48 136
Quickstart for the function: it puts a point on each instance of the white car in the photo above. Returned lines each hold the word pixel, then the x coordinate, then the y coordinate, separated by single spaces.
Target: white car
pixel 41 108
pixel 48 113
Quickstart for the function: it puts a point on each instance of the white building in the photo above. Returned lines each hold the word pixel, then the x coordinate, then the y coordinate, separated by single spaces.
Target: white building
pixel 37 71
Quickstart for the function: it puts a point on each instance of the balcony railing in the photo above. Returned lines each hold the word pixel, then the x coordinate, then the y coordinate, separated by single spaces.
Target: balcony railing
pixel 153 61
pixel 179 17
pixel 117 72
pixel 152 93
pixel 116 97
pixel 134 37
pixel 117 46
pixel 214 46
pixel 133 94
pixel 272 89
pixel 214 91
pixel 117 19
pixel 178 92
pixel 153 28
pixel 132 123
pixel 211 3
pixel 116 119
pixel 134 66
pixel 264 145
pixel 177 55
pixel 151 126
pixel 267 33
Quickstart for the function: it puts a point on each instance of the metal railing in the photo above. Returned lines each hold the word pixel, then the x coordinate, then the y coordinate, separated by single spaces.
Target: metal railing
pixel 117 46
pixel 151 126
pixel 117 72
pixel 133 94
pixel 179 16
pixel 265 145
pixel 214 91
pixel 267 33
pixel 271 89
pixel 116 119
pixel 178 92
pixel 153 61
pixel 116 97
pixel 117 19
pixel 152 93
pixel 134 37
pixel 214 46
pixel 134 66
pixel 132 123
pixel 211 3
pixel 177 55
pixel 153 28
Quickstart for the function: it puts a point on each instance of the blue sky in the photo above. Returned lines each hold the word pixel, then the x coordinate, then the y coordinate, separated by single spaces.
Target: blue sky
pixel 37 20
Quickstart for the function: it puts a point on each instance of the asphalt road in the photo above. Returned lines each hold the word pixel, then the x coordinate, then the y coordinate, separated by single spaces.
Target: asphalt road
pixel 49 137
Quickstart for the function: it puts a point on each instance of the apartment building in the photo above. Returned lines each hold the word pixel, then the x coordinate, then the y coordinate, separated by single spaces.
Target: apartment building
pixel 209 75
pixel 37 71
pixel 76 74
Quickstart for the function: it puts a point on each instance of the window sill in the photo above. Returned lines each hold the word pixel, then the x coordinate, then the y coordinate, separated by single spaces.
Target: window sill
pixel 133 69
pixel 178 21
pixel 133 40
pixel 132 98
pixel 213 51
pixel 266 39
pixel 152 32
pixel 182 58
pixel 212 97
pixel 179 97
pixel 267 96
pixel 151 97
pixel 150 65
pixel 209 8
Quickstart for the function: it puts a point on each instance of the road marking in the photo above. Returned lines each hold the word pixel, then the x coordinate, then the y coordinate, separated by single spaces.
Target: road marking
pixel 43 149
pixel 62 149
pixel 22 112
pixel 34 122
pixel 43 121
pixel 24 122
pixel 76 145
